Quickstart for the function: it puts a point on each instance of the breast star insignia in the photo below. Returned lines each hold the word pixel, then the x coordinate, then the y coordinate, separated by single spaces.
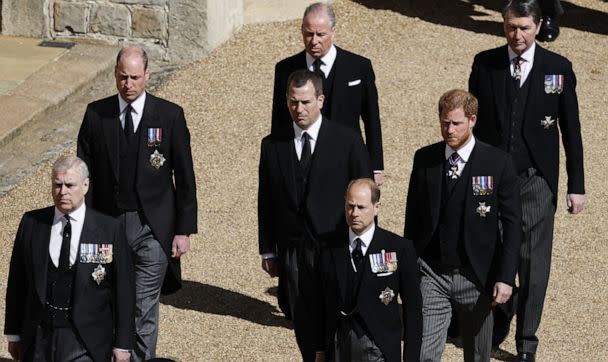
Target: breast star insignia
pixel 547 122
pixel 482 209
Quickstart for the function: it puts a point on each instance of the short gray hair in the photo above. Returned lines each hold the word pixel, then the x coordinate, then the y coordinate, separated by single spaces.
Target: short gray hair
pixel 69 162
pixel 319 6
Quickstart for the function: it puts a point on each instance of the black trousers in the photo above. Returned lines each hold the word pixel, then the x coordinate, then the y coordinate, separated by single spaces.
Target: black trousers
pixel 58 345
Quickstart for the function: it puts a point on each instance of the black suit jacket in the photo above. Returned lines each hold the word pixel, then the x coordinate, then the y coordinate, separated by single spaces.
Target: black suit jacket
pixel 382 321
pixel 167 195
pixel 492 258
pixel 487 83
pixel 103 315
pixel 339 157
pixel 354 95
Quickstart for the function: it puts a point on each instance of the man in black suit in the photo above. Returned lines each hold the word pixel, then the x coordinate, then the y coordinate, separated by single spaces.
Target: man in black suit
pixel 137 147
pixel 349 84
pixel 305 167
pixel 459 191
pixel 362 271
pixel 525 92
pixel 70 293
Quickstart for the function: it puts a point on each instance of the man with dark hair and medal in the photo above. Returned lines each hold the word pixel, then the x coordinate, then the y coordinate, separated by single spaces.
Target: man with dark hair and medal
pixel 460 190
pixel 70 293
pixel 137 147
pixel 527 100
pixel 362 272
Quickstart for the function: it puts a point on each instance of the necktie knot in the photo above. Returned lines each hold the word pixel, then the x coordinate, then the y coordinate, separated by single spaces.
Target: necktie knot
pixel 317 67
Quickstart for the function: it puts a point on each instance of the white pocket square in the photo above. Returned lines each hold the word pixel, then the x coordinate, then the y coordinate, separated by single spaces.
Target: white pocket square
pixel 354 82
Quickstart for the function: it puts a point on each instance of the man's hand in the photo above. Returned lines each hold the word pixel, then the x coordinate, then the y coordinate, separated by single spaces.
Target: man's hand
pixel 270 266
pixel 120 356
pixel 576 203
pixel 501 293
pixel 181 245
pixel 379 178
pixel 14 349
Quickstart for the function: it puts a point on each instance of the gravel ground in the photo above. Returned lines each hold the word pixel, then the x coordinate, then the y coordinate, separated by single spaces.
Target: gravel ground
pixel 227 310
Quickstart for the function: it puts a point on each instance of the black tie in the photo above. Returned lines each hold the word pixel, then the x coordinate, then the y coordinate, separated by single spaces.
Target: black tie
pixel 317 68
pixel 306 153
pixel 64 256
pixel 357 255
pixel 129 124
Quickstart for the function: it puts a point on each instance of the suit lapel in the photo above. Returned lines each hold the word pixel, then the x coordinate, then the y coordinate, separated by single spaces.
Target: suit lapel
pixel 147 121
pixel 111 131
pixel 40 252
pixel 341 258
pixel 340 78
pixel 499 75
pixel 320 153
pixel 434 177
pixel 535 78
pixel 89 234
pixel 286 156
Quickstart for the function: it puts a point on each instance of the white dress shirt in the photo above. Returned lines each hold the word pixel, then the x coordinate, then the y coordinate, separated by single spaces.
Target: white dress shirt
pixel 464 152
pixel 59 222
pixel 137 109
pixel 56 238
pixel 327 61
pixel 313 132
pixel 366 239
pixel 525 65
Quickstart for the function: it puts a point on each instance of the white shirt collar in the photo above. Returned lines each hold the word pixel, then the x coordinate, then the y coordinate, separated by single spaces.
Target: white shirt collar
pixel 366 238
pixel 313 130
pixel 76 215
pixel 328 60
pixel 137 105
pixel 528 55
pixel 464 152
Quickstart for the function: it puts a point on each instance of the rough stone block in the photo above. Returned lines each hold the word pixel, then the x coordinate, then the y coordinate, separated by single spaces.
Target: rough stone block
pixel 141 2
pixel 70 16
pixel 110 20
pixel 149 23
pixel 23 18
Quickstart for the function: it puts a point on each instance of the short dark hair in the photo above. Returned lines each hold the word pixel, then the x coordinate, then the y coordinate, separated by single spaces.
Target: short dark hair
pixel 319 6
pixel 300 77
pixel 457 98
pixel 373 187
pixel 522 9
pixel 144 55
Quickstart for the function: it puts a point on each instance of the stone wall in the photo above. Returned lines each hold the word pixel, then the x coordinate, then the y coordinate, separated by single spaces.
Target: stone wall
pixel 172 31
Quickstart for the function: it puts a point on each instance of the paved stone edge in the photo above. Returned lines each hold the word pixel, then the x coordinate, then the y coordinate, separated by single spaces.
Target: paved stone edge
pixel 51 85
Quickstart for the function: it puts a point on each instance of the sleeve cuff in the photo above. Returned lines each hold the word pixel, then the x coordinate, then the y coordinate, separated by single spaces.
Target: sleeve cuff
pixel 378 171
pixel 268 256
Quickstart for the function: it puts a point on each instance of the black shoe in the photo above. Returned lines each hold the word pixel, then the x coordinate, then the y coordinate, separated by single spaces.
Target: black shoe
pixel 526 357
pixel 549 29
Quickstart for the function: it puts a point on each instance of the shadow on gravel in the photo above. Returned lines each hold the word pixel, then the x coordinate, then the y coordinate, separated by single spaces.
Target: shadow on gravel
pixel 458 14
pixel 215 300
